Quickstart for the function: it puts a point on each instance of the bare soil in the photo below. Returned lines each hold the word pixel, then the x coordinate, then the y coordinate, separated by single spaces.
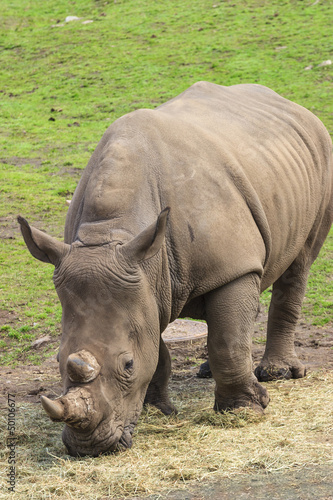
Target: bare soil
pixel 187 344
pixel 314 347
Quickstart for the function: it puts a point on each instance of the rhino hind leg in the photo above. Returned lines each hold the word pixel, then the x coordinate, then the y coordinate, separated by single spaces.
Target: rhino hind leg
pixel 157 392
pixel 205 371
pixel 280 360
pixel 230 312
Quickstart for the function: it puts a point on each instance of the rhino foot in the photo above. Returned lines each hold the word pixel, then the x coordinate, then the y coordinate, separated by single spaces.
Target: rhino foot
pixel 266 372
pixel 253 396
pixel 160 400
pixel 204 371
pixel 166 408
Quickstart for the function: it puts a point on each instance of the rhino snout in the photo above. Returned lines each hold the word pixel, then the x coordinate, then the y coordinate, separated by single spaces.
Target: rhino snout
pixel 105 438
pixel 76 408
pixel 126 438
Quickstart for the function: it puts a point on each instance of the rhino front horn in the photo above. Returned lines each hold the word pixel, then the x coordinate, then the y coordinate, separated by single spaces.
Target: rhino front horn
pixel 82 367
pixel 54 409
pixel 76 408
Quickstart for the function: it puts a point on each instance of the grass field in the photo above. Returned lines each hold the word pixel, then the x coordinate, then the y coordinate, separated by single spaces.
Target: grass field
pixel 62 84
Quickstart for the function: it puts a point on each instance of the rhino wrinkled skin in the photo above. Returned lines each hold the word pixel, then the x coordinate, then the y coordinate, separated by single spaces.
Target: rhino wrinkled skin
pixel 191 209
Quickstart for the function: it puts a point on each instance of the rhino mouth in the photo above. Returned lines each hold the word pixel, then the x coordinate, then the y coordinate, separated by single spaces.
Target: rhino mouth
pixel 103 440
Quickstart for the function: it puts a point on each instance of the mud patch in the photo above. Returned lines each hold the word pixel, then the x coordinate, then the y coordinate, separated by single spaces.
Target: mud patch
pixel 72 172
pixel 7 317
pixel 8 228
pixel 28 383
pixel 314 347
pixel 19 162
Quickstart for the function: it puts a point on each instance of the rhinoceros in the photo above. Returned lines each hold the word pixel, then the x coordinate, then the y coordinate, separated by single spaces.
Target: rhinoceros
pixel 188 210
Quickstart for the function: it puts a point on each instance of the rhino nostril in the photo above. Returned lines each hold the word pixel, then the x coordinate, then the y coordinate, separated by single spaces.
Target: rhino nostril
pixel 126 438
pixel 82 367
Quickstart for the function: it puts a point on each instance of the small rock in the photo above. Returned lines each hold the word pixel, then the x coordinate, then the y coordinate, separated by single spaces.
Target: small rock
pixel 325 63
pixel 41 341
pixel 88 21
pixel 71 18
pixel 308 67
pixel 33 392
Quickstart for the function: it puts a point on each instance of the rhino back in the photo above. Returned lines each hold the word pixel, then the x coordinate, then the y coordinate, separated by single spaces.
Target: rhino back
pixel 245 172
pixel 255 167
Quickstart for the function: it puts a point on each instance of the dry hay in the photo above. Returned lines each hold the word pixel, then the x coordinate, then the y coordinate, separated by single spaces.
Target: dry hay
pixel 171 452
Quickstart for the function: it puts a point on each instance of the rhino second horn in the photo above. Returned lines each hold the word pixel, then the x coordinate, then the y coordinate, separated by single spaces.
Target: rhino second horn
pixel 82 367
pixel 54 409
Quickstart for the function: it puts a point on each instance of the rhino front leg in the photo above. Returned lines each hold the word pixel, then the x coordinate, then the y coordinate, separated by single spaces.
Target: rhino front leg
pixel 157 392
pixel 231 311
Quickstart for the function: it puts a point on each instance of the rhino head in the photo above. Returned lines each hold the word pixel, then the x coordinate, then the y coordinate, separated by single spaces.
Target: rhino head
pixel 110 335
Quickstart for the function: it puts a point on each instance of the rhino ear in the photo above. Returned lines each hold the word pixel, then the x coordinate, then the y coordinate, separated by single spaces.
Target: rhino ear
pixel 146 244
pixel 42 246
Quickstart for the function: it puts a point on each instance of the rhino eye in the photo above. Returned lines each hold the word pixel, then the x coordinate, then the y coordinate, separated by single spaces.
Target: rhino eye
pixel 129 365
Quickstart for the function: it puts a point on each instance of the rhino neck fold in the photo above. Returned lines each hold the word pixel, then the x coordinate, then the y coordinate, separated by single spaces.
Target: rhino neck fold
pixel 157 271
pixel 98 233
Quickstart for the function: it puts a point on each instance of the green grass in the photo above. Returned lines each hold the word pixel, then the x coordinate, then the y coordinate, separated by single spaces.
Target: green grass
pixel 60 87
pixel 318 302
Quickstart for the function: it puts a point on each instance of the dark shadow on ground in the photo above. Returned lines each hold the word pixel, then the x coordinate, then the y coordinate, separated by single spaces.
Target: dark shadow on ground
pixel 315 483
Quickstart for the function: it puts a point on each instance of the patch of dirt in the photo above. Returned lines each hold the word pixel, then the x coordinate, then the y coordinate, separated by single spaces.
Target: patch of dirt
pixel 7 317
pixel 19 162
pixel 9 228
pixel 28 383
pixel 72 172
pixel 314 347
